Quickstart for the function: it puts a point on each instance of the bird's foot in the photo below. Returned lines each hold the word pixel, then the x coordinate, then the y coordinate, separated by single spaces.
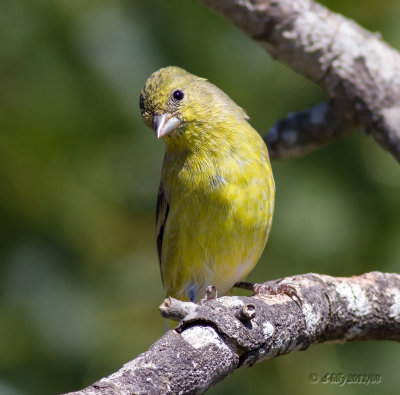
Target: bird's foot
pixel 211 293
pixel 278 289
pixel 272 288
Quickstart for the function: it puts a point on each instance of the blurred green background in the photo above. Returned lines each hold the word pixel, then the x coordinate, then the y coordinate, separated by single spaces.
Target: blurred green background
pixel 79 173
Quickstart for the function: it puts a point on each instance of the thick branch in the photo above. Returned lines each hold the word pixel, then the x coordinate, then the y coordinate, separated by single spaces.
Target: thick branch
pixel 354 66
pixel 221 335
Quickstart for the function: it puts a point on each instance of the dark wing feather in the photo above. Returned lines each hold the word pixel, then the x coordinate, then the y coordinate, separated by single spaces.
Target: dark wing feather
pixel 161 219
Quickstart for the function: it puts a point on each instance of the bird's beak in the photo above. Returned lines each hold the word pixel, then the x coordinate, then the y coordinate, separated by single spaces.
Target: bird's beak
pixel 164 124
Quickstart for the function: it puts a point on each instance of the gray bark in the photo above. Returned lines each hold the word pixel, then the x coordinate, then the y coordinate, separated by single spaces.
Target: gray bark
pixel 359 72
pixel 218 336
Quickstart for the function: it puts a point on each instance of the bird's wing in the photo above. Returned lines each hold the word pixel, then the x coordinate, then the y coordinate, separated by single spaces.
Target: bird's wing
pixel 161 218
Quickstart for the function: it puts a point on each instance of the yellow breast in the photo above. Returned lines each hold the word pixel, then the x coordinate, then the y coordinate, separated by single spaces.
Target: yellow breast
pixel 220 214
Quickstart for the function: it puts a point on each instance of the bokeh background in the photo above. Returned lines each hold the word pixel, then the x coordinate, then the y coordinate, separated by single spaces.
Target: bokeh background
pixel 79 173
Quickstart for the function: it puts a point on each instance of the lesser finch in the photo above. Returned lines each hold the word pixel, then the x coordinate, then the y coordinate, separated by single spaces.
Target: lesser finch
pixel 216 197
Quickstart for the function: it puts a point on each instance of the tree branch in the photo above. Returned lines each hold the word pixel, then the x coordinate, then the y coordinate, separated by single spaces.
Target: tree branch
pixel 355 67
pixel 221 335
pixel 300 133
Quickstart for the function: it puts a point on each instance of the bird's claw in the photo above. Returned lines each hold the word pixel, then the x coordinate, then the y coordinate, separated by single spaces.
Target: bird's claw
pixel 278 289
pixel 211 293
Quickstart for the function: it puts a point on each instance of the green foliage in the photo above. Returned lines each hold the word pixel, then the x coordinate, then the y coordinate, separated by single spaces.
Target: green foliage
pixel 79 172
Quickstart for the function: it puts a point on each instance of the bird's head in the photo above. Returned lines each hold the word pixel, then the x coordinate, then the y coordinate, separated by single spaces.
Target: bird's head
pixel 180 106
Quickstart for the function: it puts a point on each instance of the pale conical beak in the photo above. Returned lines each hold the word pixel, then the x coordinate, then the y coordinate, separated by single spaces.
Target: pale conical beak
pixel 164 124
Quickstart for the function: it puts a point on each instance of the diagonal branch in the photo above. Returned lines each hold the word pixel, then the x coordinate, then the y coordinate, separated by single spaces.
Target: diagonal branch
pixel 354 66
pixel 300 133
pixel 221 335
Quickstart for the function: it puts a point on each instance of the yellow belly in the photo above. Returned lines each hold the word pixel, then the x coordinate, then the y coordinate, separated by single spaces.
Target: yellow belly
pixel 216 229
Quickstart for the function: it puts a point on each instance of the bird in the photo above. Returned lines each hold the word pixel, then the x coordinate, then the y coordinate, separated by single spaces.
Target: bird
pixel 216 196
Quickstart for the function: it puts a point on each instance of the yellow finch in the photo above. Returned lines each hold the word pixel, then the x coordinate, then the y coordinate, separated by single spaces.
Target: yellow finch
pixel 216 198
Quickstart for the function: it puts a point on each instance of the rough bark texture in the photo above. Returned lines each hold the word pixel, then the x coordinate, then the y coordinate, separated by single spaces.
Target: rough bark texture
pixel 221 335
pixel 360 72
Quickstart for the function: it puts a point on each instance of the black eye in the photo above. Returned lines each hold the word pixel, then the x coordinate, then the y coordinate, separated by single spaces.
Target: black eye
pixel 141 102
pixel 178 95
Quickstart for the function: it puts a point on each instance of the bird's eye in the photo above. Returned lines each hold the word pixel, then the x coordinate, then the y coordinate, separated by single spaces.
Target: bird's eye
pixel 178 95
pixel 141 102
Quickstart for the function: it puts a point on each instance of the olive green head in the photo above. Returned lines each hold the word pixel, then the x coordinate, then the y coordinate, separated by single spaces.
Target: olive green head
pixel 176 103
